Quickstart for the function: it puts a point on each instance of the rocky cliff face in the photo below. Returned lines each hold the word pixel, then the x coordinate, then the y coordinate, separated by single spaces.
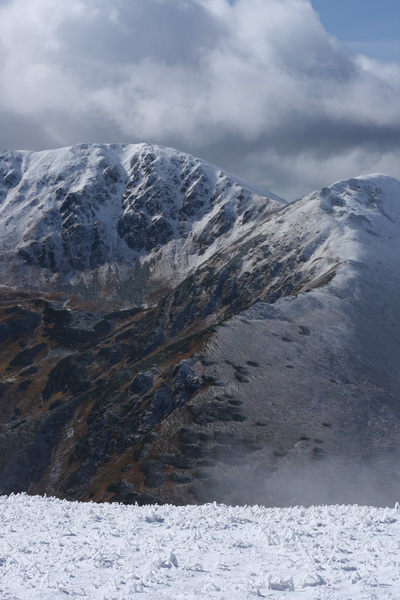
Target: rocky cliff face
pixel 262 368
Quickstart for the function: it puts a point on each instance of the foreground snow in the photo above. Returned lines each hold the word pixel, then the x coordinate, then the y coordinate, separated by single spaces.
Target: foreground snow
pixel 54 549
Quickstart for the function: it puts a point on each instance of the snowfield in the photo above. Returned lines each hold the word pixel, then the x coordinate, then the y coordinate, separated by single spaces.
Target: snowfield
pixel 53 549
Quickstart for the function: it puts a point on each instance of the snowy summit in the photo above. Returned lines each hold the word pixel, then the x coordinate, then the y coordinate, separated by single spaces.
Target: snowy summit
pixel 100 214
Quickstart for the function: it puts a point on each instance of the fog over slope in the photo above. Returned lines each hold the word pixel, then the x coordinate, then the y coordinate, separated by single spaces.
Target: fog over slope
pixel 316 372
pixel 209 342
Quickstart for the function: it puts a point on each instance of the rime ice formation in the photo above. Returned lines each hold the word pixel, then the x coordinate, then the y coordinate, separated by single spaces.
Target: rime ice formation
pixel 51 550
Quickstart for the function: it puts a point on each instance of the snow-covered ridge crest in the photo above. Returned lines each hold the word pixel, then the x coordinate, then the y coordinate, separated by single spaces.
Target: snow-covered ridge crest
pixel 129 220
pixel 102 214
pixel 366 210
pixel 352 222
pixel 333 236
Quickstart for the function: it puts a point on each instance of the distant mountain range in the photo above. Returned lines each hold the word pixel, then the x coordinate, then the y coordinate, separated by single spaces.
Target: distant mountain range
pixel 171 333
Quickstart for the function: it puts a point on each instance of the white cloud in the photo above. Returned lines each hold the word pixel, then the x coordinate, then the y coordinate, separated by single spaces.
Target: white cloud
pixel 258 86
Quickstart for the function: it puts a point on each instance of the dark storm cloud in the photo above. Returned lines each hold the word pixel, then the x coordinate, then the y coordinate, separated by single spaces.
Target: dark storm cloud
pixel 20 132
pixel 256 86
pixel 127 32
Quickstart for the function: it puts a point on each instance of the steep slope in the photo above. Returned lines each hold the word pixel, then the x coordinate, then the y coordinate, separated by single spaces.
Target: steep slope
pixel 315 375
pixel 269 374
pixel 116 220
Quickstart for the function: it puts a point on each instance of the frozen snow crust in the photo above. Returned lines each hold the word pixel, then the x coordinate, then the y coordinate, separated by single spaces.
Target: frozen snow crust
pixel 53 549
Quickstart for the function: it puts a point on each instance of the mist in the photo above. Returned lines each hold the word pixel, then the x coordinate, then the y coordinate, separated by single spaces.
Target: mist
pixel 329 480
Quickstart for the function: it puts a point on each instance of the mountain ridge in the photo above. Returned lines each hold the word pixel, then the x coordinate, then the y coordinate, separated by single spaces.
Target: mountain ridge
pixel 263 368
pixel 84 212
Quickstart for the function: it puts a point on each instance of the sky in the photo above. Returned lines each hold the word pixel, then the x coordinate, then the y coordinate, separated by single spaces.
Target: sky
pixel 291 95
pixel 366 26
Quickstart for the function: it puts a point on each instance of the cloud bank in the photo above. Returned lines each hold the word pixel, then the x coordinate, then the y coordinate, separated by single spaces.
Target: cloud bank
pixel 256 86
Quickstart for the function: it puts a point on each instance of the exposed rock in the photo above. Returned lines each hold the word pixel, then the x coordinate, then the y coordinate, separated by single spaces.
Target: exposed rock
pixel 124 492
pixel 142 384
pixel 69 376
pixel 26 357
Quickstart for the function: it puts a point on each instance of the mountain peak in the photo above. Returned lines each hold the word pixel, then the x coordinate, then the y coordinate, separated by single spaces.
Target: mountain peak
pixel 98 214
pixel 372 192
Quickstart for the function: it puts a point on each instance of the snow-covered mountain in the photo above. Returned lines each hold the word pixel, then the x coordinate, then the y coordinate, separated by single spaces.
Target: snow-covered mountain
pixel 315 371
pixel 117 218
pixel 263 366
